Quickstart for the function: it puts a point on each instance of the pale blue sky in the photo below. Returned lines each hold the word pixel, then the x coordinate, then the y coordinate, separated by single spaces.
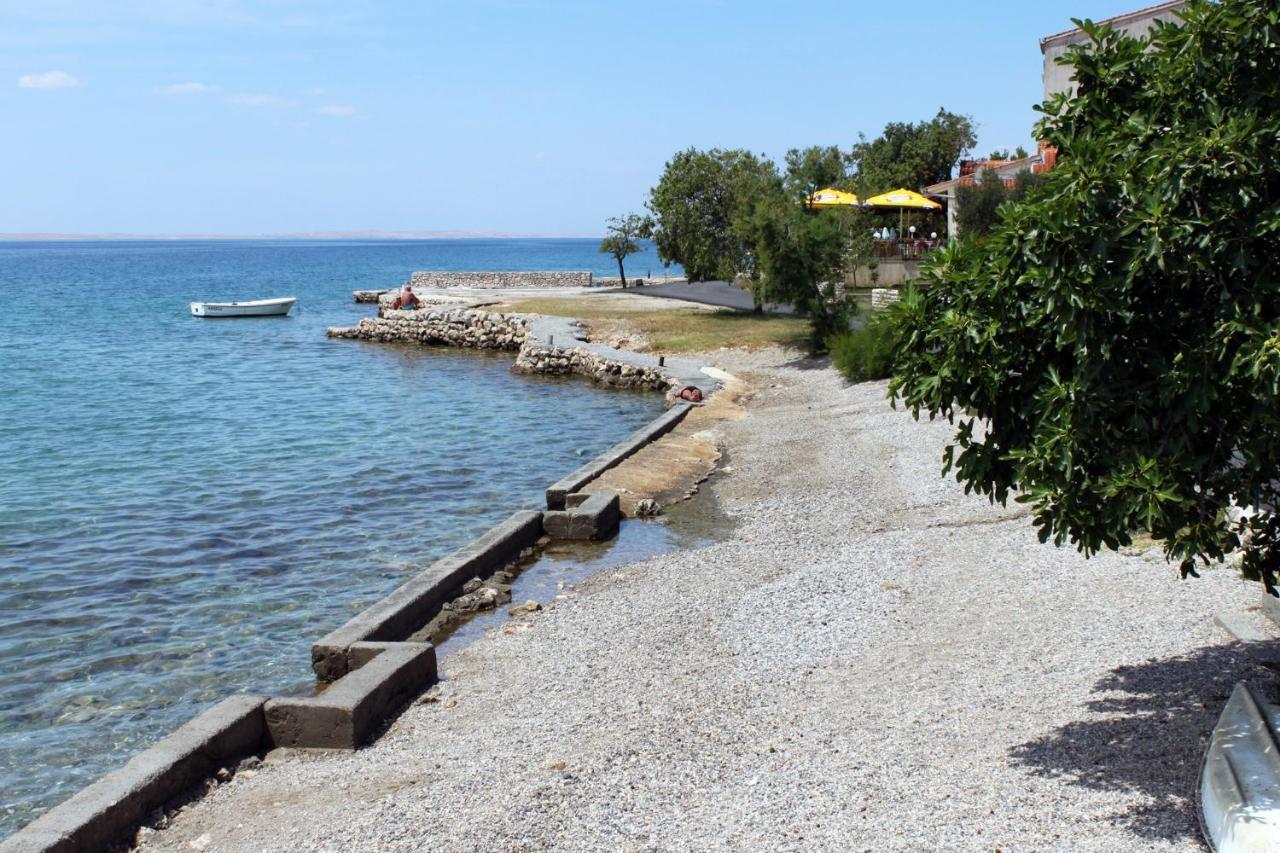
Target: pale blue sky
pixel 233 116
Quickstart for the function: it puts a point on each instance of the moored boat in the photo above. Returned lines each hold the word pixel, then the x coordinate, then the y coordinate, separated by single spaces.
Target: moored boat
pixel 1240 778
pixel 254 308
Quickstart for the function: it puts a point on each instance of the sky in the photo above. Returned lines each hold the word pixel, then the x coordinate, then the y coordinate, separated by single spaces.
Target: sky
pixel 517 116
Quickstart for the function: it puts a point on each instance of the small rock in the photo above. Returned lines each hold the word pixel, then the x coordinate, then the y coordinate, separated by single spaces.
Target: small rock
pixel 647 507
pixel 524 609
pixel 201 843
pixel 223 774
pixel 253 762
pixel 471 586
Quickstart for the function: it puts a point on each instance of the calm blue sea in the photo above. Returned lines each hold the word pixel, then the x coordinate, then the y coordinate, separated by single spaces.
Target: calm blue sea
pixel 186 504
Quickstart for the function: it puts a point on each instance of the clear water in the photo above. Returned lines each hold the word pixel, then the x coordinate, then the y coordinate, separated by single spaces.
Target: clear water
pixel 186 504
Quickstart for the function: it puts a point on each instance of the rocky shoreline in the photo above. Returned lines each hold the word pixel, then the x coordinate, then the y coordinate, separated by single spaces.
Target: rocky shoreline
pixel 538 353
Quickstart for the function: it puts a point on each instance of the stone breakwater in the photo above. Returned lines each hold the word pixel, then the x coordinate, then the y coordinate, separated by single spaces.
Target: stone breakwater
pixel 476 329
pixel 548 360
pixel 497 280
pixel 456 327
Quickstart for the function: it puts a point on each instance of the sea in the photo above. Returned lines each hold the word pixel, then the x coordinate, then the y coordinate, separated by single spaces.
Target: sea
pixel 185 504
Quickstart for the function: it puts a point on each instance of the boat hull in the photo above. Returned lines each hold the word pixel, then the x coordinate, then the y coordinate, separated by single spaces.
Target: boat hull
pixel 255 308
pixel 1240 777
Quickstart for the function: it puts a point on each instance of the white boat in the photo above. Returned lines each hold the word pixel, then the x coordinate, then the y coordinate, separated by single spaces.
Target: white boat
pixel 254 308
pixel 1240 777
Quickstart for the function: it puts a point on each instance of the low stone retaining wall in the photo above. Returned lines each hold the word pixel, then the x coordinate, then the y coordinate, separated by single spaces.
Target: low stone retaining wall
pixel 538 358
pixel 883 297
pixel 454 327
pixel 491 280
pixel 477 329
pixel 558 493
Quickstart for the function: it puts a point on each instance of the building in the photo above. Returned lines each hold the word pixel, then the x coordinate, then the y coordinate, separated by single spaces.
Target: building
pixel 1056 78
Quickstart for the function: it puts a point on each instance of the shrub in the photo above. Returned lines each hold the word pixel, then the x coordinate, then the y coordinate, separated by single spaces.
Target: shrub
pixel 865 353
pixel 1112 349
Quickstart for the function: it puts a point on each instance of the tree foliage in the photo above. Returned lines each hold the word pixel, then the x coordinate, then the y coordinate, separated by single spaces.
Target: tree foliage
pixel 802 257
pixel 699 205
pixel 912 155
pixel 1112 349
pixel 623 239
pixel 814 168
pixel 978 206
pixel 1018 153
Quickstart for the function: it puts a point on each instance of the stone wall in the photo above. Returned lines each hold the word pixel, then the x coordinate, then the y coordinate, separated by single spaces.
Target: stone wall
pixel 883 297
pixel 536 357
pixel 456 328
pixel 476 329
pixel 492 280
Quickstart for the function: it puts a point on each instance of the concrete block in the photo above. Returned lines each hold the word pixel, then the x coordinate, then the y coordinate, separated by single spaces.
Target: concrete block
pixel 108 811
pixel 347 713
pixel 417 601
pixel 660 426
pixel 588 516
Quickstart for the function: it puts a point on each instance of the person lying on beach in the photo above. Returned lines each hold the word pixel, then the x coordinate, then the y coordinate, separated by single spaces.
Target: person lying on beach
pixel 692 393
pixel 408 300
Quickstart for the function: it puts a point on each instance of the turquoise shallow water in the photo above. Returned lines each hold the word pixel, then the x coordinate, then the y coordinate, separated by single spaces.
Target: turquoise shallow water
pixel 186 504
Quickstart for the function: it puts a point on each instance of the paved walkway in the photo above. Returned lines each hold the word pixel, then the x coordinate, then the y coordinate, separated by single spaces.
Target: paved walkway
pixel 720 293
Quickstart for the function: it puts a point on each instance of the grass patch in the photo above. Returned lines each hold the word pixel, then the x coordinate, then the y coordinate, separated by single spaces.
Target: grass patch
pixel 670 330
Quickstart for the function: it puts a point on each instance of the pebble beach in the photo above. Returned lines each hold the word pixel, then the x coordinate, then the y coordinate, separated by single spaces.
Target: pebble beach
pixel 870 660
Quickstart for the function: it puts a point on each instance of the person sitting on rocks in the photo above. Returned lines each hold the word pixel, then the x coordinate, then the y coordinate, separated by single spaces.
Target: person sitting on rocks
pixel 407 300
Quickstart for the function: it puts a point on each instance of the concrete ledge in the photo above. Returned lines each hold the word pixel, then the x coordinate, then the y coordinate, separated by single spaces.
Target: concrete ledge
pixel 615 455
pixel 415 602
pixel 107 811
pixel 346 714
pixel 588 516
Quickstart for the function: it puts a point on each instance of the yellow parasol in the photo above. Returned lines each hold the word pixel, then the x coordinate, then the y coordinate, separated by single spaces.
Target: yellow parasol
pixel 902 200
pixel 832 198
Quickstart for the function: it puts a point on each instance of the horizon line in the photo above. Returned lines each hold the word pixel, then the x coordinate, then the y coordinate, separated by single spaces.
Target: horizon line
pixel 56 236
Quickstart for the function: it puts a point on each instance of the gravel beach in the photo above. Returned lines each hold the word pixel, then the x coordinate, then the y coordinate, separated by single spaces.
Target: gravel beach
pixel 872 660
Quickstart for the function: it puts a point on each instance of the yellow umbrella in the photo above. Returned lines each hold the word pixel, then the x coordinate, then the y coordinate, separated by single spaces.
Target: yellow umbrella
pixel 902 199
pixel 832 198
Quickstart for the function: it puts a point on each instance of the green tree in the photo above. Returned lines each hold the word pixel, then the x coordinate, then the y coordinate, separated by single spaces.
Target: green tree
pixel 623 239
pixel 699 205
pixel 1112 350
pixel 978 206
pixel 814 168
pixel 802 256
pixel 912 156
pixel 1019 153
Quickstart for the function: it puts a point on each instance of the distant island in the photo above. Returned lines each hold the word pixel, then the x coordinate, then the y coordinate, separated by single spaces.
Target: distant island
pixel 301 235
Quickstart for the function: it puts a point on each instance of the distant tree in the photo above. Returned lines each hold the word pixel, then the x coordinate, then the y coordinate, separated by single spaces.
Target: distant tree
pixel 912 156
pixel 1112 350
pixel 814 168
pixel 978 205
pixel 802 256
pixel 623 238
pixel 1019 153
pixel 700 205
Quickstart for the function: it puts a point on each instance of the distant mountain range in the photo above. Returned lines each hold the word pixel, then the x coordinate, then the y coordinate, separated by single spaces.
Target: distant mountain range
pixel 301 235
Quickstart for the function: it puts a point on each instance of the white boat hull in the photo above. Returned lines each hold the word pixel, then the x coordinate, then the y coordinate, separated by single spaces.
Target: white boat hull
pixel 255 308
pixel 1240 777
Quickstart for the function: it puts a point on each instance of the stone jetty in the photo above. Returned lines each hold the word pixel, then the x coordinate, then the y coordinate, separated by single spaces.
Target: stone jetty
pixel 533 338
